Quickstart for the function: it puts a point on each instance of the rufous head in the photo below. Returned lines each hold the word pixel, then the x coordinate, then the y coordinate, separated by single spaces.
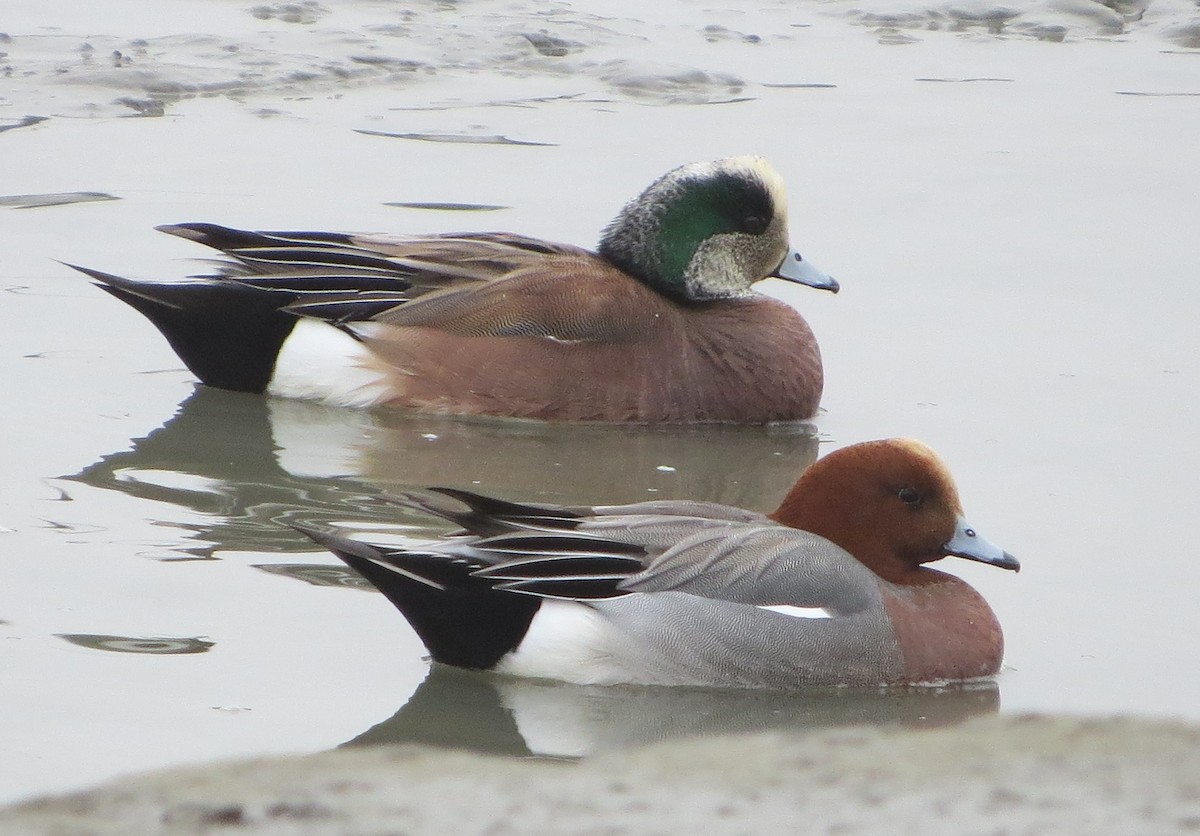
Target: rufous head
pixel 892 504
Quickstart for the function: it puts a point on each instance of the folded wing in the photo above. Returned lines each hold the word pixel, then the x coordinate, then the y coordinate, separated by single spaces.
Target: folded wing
pixel 701 549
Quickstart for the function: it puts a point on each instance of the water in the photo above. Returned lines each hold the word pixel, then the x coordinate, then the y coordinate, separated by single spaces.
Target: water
pixel 1010 204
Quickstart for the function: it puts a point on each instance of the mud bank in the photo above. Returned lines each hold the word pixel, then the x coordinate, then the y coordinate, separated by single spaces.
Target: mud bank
pixel 1022 774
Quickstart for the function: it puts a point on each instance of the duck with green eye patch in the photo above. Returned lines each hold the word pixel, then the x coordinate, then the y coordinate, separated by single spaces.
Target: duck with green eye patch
pixel 709 231
pixel 661 325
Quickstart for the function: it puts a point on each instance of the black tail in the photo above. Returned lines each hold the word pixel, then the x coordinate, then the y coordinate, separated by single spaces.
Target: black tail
pixel 461 619
pixel 228 333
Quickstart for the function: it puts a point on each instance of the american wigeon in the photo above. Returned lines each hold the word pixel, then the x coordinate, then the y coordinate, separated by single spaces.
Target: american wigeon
pixel 830 589
pixel 660 325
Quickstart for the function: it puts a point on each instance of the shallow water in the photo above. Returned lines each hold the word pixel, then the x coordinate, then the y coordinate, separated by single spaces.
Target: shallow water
pixel 1009 199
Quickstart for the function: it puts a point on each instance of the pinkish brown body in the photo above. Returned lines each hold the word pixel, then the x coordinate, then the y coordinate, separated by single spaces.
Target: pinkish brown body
pixel 620 353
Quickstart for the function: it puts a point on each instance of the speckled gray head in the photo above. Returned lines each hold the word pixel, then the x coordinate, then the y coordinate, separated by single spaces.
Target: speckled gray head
pixel 709 230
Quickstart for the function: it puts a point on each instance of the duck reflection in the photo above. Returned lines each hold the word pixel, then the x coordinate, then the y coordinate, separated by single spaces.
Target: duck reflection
pixel 508 716
pixel 250 465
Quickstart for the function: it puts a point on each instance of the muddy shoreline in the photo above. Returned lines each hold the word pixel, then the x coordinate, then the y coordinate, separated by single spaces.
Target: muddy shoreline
pixel 1014 774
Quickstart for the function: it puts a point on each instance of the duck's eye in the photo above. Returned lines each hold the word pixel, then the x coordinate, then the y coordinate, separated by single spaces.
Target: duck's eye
pixel 910 496
pixel 754 224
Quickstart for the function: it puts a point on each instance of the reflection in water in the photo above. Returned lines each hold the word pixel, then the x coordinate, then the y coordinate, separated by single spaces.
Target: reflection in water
pixel 750 467
pixel 250 465
pixel 216 457
pixel 318 575
pixel 500 715
pixel 157 645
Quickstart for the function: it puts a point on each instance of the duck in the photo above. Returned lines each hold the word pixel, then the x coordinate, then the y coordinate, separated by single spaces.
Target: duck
pixel 661 324
pixel 831 589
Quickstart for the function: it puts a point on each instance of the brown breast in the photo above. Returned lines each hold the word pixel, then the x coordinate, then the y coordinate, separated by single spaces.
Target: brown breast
pixel 945 629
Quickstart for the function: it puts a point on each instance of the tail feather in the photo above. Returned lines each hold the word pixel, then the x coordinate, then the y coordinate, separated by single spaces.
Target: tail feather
pixel 228 333
pixel 461 619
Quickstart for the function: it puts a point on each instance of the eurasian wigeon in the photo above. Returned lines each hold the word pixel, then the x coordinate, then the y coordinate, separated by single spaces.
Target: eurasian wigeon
pixel 660 325
pixel 830 589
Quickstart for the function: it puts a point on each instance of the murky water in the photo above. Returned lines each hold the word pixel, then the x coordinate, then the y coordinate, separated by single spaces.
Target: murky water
pixel 1009 199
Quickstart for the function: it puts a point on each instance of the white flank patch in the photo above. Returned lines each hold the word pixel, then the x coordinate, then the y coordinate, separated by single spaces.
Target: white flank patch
pixel 565 641
pixel 321 363
pixel 798 612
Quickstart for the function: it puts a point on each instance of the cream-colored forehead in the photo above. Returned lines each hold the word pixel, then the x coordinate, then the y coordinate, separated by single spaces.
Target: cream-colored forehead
pixel 917 449
pixel 750 167
pixel 922 453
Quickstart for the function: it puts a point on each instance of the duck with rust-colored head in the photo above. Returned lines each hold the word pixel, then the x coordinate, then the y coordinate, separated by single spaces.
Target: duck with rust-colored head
pixel 661 325
pixel 833 588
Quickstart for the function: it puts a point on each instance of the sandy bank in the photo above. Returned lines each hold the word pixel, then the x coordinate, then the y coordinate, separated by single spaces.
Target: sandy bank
pixel 999 775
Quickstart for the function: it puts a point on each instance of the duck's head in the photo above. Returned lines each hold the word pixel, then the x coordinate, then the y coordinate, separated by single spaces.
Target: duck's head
pixel 892 504
pixel 709 230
